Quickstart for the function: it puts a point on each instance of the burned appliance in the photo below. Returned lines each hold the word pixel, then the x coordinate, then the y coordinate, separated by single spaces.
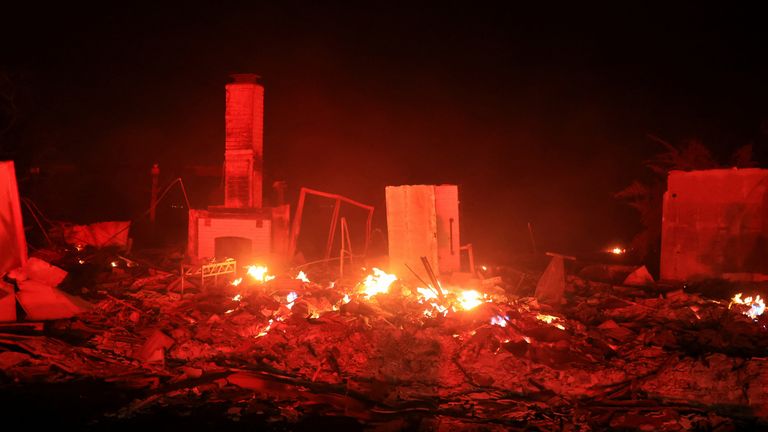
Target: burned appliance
pixel 423 221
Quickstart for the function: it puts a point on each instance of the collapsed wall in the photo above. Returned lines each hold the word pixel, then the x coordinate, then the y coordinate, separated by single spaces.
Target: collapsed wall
pixel 715 225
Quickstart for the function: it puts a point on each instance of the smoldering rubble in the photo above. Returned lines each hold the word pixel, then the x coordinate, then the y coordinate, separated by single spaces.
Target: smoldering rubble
pixel 375 352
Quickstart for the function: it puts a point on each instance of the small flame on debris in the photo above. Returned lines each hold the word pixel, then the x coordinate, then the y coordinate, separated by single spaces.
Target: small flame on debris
pixel 458 298
pixel 546 318
pixel 427 293
pixel 265 330
pixel 236 282
pixel 81 261
pixel 484 268
pixel 302 277
pixel 229 311
pixel 499 321
pixel 79 247
pixel 550 319
pixel 346 299
pixel 377 283
pixel 469 299
pixel 113 264
pixel 291 297
pixel 618 251
pixel 259 273
pixel 527 339
pixel 430 313
pixel 756 305
pixel 237 297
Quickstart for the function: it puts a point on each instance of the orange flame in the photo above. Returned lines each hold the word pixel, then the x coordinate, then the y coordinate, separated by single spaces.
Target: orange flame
pixel 469 299
pixel 302 277
pixel 427 293
pixel 290 298
pixel 455 298
pixel 377 283
pixel 259 273
pixel 265 330
pixel 499 320
pixel 550 319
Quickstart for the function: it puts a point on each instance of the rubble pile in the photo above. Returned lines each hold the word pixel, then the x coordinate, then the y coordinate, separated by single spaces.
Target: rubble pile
pixel 376 352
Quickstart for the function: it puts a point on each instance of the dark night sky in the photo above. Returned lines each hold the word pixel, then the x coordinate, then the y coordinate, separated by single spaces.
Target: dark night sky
pixel 538 115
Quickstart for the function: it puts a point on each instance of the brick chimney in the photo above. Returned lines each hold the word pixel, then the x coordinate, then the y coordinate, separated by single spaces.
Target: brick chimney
pixel 244 144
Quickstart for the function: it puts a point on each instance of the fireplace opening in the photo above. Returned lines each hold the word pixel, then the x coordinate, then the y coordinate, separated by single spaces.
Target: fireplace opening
pixel 239 248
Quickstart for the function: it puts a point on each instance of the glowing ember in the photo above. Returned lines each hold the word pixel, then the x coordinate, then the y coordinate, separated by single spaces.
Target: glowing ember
pixel 695 310
pixel 81 261
pixel 346 299
pixel 113 263
pixel 377 283
pixel 618 251
pixel 237 298
pixel 259 273
pixel 469 299
pixel 550 319
pixel 229 311
pixel 484 268
pixel 499 321
pixel 236 282
pixel 756 305
pixel 302 277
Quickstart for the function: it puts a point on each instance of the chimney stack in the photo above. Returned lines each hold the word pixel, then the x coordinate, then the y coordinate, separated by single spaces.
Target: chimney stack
pixel 244 144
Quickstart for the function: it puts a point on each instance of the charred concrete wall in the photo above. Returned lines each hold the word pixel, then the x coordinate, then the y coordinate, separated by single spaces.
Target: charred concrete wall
pixel 715 225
